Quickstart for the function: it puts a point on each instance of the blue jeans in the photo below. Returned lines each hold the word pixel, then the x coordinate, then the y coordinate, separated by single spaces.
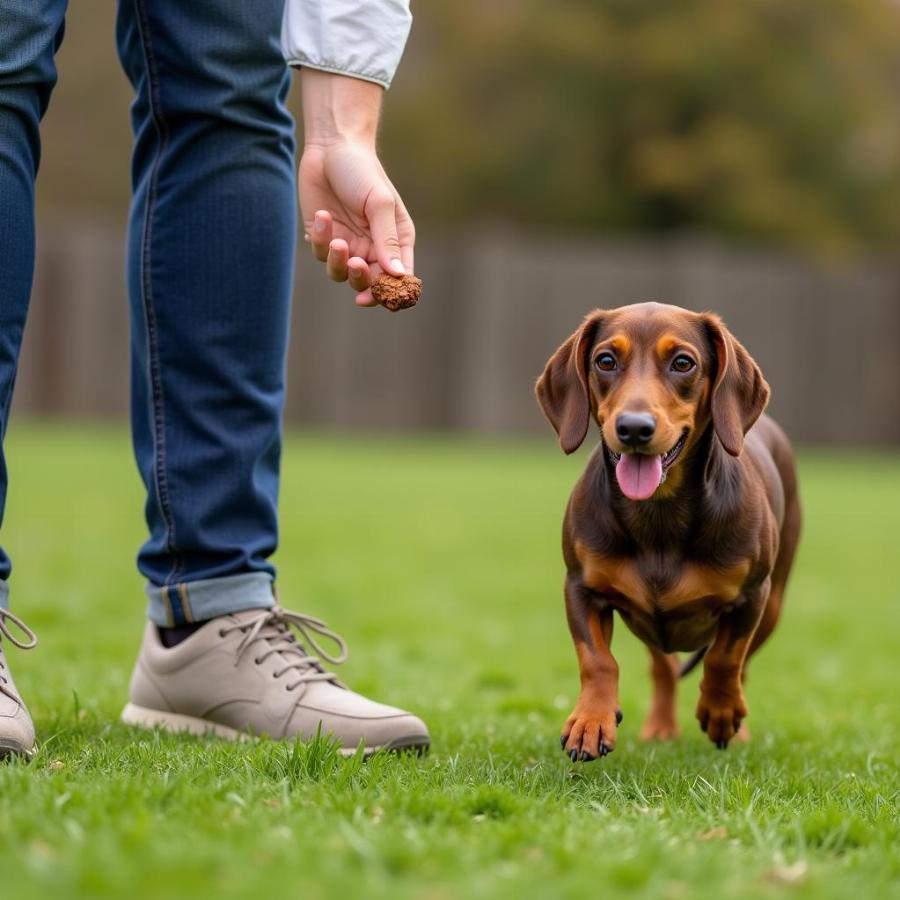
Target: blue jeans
pixel 210 266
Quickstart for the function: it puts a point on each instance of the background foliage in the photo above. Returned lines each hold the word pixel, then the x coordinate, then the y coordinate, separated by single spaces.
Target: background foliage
pixel 762 120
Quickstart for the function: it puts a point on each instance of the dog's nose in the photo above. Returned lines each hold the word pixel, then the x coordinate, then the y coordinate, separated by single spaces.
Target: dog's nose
pixel 635 429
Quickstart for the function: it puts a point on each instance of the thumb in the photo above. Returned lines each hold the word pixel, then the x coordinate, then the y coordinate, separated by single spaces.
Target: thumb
pixel 381 212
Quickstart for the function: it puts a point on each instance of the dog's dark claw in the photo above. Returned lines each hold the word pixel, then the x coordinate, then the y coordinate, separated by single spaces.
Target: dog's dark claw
pixel 586 757
pixel 562 741
pixel 722 744
pixel 573 755
pixel 619 716
pixel 604 749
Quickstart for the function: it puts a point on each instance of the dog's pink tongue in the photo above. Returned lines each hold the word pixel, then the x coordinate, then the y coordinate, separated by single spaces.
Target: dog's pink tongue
pixel 638 475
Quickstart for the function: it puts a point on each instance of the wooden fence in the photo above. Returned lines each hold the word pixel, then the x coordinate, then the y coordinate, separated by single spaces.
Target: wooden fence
pixel 496 304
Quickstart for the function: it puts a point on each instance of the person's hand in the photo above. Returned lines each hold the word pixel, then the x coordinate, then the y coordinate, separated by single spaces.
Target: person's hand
pixel 354 219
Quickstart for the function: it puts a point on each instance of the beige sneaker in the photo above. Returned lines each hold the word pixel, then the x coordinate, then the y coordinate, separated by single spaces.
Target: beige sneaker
pixel 247 673
pixel 16 729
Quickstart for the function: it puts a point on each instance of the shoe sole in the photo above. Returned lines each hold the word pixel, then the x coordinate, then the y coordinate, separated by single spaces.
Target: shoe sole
pixel 8 750
pixel 176 723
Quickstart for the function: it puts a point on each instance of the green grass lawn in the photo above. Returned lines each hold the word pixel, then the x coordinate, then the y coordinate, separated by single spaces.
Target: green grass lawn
pixel 439 561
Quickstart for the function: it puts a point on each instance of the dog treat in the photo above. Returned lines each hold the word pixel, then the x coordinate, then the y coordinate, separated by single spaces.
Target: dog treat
pixel 394 292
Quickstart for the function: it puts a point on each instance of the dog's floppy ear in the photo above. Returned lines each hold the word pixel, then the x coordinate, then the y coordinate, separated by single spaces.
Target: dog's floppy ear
pixel 562 390
pixel 739 393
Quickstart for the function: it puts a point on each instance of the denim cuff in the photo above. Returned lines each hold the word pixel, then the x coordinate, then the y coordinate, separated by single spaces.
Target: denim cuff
pixel 197 601
pixel 4 594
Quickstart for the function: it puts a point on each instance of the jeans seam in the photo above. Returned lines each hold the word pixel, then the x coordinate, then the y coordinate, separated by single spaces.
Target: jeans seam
pixel 7 399
pixel 185 598
pixel 163 496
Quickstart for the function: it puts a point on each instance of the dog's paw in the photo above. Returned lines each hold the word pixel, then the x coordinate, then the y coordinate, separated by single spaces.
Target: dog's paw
pixel 721 717
pixel 660 728
pixel 590 733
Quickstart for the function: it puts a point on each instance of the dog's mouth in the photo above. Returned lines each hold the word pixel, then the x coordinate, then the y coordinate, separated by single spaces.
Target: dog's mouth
pixel 640 474
pixel 674 453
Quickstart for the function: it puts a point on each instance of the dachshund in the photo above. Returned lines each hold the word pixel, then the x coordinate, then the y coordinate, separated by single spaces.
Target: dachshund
pixel 685 521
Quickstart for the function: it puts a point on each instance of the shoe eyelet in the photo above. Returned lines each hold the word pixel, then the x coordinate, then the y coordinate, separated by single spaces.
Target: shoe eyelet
pixel 257 661
pixel 221 632
pixel 277 675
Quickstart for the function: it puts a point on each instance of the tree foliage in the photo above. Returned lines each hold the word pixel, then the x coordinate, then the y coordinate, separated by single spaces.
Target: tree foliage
pixel 775 120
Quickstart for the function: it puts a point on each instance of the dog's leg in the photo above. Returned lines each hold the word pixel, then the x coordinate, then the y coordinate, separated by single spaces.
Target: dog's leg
pixel 661 723
pixel 769 619
pixel 590 731
pixel 722 706
pixel 767 623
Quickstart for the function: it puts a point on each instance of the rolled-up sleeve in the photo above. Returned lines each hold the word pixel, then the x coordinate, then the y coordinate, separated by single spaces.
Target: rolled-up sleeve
pixel 360 38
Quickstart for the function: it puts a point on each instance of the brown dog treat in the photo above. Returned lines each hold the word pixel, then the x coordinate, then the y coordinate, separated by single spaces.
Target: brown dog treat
pixel 394 292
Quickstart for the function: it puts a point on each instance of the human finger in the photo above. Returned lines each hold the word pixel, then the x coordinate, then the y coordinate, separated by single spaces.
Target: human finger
pixel 359 273
pixel 381 212
pixel 407 235
pixel 365 298
pixel 320 235
pixel 336 264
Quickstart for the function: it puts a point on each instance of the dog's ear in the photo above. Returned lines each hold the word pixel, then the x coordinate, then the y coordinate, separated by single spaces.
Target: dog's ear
pixel 739 393
pixel 562 390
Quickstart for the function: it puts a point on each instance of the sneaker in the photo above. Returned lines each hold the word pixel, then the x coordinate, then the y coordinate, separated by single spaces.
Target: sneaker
pixel 16 728
pixel 247 673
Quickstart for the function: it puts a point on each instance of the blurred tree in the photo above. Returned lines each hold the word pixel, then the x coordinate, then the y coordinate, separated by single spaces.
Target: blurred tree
pixel 765 119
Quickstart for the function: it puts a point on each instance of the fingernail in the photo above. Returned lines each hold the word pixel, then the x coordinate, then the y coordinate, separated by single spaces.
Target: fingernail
pixel 398 267
pixel 320 224
pixel 355 272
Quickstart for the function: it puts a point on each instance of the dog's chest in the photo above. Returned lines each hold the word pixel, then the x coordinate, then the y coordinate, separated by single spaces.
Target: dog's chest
pixel 669 602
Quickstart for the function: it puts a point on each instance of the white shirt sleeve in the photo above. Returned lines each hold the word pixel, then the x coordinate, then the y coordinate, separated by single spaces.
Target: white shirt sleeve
pixel 360 38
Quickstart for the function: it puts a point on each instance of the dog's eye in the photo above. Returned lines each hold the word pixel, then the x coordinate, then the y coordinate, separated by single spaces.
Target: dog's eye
pixel 606 362
pixel 682 363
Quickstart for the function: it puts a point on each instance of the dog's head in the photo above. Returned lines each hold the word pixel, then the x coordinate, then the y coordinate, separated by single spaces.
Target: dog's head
pixel 653 376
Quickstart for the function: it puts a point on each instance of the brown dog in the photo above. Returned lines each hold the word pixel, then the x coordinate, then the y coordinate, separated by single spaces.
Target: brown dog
pixel 685 521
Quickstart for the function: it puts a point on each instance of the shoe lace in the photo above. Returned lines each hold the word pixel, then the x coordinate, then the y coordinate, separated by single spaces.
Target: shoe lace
pixel 30 641
pixel 272 628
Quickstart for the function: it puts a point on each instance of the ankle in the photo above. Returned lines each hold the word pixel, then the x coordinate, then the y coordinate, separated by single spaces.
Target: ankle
pixel 173 636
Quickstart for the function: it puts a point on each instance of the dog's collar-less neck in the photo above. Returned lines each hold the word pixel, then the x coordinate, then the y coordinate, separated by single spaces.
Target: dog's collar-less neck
pixel 709 487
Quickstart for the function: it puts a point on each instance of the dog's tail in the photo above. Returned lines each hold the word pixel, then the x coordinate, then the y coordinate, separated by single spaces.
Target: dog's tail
pixel 692 662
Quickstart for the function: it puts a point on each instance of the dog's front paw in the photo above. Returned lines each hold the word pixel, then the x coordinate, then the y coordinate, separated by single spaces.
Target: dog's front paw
pixel 590 732
pixel 720 715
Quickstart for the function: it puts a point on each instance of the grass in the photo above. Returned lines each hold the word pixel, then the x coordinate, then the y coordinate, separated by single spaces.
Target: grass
pixel 439 560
